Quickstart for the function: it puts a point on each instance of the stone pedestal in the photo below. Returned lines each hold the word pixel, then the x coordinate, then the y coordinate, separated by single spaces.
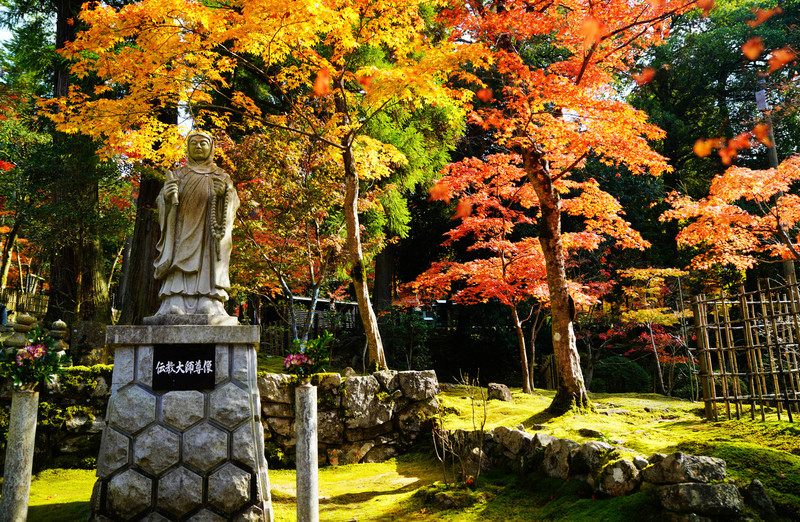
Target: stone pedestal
pixel 195 455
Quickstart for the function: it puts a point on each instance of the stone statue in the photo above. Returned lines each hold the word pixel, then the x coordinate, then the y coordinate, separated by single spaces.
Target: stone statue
pixel 196 208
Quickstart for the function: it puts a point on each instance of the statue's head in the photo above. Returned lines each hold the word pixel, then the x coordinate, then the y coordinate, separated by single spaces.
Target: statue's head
pixel 200 148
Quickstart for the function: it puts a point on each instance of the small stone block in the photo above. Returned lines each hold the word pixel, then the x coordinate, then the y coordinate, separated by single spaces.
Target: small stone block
pixel 180 491
pixel 123 367
pixel 155 517
pixel 241 362
pixel 114 453
pixel 229 488
pixel 204 447
pixel 144 365
pixel 156 450
pixel 230 405
pixel 221 364
pixel 131 409
pixel 129 493
pixel 183 408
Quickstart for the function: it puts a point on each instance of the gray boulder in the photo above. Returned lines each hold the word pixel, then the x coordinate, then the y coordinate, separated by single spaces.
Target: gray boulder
pixel 557 458
pixel 419 386
pixel 590 455
pixel 515 441
pixel 499 392
pixel 703 499
pixel 619 478
pixel 680 467
pixel 362 404
pixel 275 387
pixel 757 497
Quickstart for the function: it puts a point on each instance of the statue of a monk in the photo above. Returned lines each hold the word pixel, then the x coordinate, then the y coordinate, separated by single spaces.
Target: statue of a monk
pixel 196 208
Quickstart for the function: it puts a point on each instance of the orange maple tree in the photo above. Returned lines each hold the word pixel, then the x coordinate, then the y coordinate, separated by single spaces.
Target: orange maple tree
pixel 747 216
pixel 557 105
pixel 310 64
pixel 496 205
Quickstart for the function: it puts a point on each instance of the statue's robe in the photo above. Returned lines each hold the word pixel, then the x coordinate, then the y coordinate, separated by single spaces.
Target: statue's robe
pixel 190 263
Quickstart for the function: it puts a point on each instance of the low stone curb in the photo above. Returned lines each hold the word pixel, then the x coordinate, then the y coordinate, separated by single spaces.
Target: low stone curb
pixel 690 487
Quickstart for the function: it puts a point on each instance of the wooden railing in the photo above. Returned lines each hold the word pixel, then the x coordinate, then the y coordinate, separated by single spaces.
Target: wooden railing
pixel 749 351
pixel 21 302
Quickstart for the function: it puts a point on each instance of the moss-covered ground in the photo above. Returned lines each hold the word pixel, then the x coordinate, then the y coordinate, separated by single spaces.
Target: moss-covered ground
pixel 403 488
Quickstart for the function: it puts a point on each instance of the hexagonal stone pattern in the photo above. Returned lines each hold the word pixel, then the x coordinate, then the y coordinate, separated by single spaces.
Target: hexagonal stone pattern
pixel 180 491
pixel 131 409
pixel 243 448
pixel 156 449
pixel 129 493
pixel 205 446
pixel 207 516
pixel 230 405
pixel 155 517
pixel 181 409
pixel 114 453
pixel 228 488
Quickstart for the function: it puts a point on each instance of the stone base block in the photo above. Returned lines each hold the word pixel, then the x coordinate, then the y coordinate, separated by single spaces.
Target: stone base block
pixel 191 319
pixel 183 454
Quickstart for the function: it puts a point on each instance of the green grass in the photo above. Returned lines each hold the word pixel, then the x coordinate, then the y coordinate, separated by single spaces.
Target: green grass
pixel 401 489
pixel 60 495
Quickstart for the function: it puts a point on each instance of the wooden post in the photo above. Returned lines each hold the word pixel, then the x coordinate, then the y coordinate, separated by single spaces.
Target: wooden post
pixel 706 379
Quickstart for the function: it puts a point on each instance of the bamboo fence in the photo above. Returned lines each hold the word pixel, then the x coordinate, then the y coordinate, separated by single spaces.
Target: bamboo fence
pixel 748 346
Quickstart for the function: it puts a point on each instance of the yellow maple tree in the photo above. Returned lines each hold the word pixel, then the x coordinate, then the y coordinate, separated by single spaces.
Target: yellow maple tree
pixel 308 59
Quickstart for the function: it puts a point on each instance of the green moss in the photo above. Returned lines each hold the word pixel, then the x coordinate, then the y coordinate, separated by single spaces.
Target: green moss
pixel 60 494
pixel 778 470
pixel 276 457
pixel 50 416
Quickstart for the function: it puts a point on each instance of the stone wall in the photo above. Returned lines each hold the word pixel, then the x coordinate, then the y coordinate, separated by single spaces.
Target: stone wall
pixel 360 419
pixel 70 420
pixel 689 487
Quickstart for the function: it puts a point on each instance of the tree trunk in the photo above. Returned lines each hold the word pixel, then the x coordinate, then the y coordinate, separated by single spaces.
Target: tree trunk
pixel 358 271
pixel 570 390
pixel 659 376
pixel 523 351
pixel 8 247
pixel 140 296
pixel 77 281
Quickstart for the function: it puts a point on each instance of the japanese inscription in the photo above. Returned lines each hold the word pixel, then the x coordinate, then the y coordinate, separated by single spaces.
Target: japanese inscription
pixel 183 367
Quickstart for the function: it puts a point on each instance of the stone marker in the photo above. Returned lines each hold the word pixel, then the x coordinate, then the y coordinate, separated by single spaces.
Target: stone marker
pixel 307 447
pixel 19 456
pixel 183 454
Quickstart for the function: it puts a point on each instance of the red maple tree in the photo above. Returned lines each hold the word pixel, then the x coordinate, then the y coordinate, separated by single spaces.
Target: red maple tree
pixel 556 105
pixel 495 205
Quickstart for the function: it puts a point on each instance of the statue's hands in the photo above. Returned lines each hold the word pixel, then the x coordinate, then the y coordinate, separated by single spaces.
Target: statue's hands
pixel 171 189
pixel 219 186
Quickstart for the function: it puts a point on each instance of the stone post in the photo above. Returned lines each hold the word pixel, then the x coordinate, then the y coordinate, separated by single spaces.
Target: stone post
pixel 306 430
pixel 19 456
